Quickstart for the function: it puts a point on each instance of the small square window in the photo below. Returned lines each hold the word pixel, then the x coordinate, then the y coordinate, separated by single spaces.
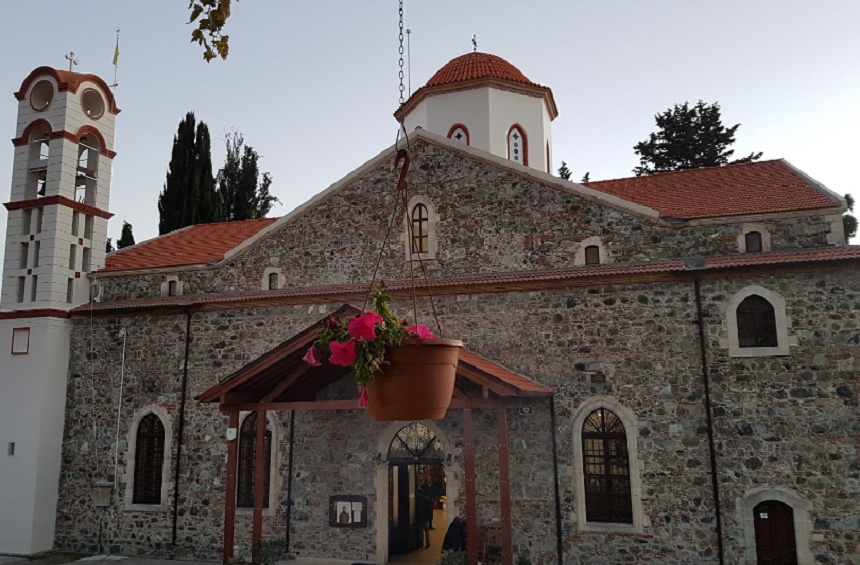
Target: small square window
pixel 592 255
pixel 753 242
pixel 171 288
pixel 273 281
pixel 20 341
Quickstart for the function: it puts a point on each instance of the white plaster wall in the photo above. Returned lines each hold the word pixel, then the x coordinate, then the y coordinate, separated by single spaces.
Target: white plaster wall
pixel 468 107
pixel 509 108
pixel 32 407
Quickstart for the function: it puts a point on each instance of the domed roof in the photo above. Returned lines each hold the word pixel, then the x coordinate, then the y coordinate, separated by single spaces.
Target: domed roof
pixel 475 70
pixel 473 66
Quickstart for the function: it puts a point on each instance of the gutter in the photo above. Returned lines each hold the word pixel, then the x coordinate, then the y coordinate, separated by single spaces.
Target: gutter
pixel 181 431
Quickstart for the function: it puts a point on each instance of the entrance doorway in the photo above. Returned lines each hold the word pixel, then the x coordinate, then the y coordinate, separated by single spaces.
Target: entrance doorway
pixel 416 469
pixel 774 534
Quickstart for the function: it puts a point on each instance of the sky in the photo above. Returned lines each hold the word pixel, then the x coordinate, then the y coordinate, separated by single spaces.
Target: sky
pixel 312 85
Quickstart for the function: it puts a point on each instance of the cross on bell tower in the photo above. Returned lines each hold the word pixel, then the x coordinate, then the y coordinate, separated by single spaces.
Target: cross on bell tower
pixel 72 60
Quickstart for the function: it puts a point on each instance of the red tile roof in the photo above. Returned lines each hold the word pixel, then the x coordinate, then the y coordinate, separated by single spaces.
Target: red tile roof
pixel 190 246
pixel 734 190
pixel 517 384
pixel 473 66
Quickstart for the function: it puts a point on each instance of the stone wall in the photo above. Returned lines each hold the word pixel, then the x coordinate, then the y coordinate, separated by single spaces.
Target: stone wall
pixel 490 220
pixel 788 422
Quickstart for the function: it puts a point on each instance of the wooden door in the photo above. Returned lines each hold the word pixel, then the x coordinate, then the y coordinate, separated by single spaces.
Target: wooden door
pixel 774 534
pixel 402 526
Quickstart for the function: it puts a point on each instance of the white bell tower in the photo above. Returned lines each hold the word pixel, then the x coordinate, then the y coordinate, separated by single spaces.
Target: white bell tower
pixel 56 234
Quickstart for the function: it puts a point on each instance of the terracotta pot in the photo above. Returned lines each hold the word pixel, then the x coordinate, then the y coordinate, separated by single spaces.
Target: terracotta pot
pixel 417 383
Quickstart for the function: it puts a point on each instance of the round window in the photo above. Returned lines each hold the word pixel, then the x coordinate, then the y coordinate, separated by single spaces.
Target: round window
pixel 41 95
pixel 93 104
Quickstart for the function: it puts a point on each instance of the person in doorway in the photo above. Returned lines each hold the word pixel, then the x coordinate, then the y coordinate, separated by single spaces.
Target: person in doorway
pixel 455 537
pixel 424 510
pixel 430 492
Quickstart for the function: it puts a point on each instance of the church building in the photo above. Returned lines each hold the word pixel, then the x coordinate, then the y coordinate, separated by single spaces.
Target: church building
pixel 657 370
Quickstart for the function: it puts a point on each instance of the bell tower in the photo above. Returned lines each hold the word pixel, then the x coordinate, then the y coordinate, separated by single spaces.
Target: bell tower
pixel 56 234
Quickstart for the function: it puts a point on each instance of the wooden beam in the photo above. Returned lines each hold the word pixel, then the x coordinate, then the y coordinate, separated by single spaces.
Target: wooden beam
pixel 287 383
pixel 233 398
pixel 505 486
pixel 488 403
pixel 230 500
pixel 259 480
pixel 306 406
pixel 471 494
pixel 481 378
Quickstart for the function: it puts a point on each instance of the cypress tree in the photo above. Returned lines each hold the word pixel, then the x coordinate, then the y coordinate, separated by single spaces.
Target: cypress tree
pixel 126 239
pixel 244 195
pixel 188 197
pixel 563 171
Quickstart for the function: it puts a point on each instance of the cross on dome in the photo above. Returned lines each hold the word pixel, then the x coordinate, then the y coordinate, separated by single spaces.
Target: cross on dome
pixel 72 60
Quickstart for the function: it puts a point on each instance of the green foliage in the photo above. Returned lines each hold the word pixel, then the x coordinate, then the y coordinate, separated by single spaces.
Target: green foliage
pixel 271 552
pixel 452 558
pixel 563 171
pixel 242 194
pixel 849 222
pixel 586 178
pixel 189 195
pixel 109 246
pixel 688 138
pixel 126 239
pixel 215 14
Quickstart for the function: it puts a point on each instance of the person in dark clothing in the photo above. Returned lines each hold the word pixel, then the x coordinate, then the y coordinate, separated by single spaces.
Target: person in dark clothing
pixel 455 537
pixel 424 511
pixel 429 490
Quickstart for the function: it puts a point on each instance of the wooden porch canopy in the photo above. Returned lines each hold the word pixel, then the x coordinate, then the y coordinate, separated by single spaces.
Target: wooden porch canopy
pixel 281 380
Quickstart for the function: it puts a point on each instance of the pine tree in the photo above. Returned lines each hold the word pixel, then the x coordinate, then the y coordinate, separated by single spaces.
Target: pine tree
pixel 189 196
pixel 688 138
pixel 563 171
pixel 109 246
pixel 244 195
pixel 586 177
pixel 126 239
pixel 849 222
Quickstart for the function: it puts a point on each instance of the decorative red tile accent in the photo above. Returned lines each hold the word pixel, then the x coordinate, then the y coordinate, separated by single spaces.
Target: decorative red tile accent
pixel 734 190
pixel 80 241
pixel 77 275
pixel 68 80
pixel 59 200
pixel 191 246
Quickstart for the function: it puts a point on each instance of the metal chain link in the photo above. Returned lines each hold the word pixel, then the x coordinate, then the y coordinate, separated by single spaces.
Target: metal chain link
pixel 402 88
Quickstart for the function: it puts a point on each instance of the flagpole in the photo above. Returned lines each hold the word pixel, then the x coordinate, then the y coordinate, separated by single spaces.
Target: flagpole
pixel 115 61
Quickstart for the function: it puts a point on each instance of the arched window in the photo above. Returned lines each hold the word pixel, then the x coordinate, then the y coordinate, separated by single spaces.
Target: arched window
pixel 247 463
pixel 518 146
pixel 459 133
pixel 756 323
pixel 753 241
pixel 148 458
pixel 273 281
pixel 420 229
pixel 592 255
pixel 606 469
pixel 415 443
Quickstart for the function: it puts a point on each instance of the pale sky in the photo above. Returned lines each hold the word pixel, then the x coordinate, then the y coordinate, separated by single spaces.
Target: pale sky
pixel 313 84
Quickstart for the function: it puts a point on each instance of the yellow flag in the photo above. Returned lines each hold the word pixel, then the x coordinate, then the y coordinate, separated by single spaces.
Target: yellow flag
pixel 116 55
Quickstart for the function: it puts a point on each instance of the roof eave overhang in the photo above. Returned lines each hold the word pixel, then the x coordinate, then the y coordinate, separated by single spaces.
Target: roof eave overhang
pixel 533 90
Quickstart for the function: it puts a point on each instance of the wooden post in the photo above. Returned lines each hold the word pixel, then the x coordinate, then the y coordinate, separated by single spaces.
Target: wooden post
pixel 505 487
pixel 471 495
pixel 230 500
pixel 259 481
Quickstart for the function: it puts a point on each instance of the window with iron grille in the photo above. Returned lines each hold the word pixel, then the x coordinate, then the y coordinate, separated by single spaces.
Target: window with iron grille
pixel 148 461
pixel 606 469
pixel 592 255
pixel 753 241
pixel 756 323
pixel 247 463
pixel 416 443
pixel 420 229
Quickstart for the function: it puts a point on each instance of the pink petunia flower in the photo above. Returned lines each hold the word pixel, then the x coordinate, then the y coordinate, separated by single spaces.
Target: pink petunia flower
pixel 312 357
pixel 343 354
pixel 364 326
pixel 421 332
pixel 362 398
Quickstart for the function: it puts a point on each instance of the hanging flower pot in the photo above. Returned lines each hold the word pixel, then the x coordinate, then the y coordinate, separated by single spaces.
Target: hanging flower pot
pixel 417 381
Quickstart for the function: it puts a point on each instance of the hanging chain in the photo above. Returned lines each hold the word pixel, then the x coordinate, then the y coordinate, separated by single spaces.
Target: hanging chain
pixel 400 50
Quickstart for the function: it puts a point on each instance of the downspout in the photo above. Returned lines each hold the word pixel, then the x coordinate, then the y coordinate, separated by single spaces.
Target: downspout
pixel 181 424
pixel 558 540
pixel 290 480
pixel 711 446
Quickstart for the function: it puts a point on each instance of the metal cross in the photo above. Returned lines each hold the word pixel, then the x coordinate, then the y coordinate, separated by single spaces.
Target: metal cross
pixel 72 60
pixel 474 43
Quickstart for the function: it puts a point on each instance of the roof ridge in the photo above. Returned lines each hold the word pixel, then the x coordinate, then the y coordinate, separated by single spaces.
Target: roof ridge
pixel 667 173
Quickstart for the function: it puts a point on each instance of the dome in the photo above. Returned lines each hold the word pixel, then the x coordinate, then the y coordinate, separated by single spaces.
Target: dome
pixel 474 66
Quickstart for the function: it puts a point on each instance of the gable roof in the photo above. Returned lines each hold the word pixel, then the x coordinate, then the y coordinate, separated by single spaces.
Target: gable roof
pixel 193 245
pixel 734 190
pixel 762 187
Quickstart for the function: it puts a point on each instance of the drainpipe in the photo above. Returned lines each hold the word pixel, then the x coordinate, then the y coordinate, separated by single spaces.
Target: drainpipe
pixel 181 424
pixel 290 479
pixel 711 447
pixel 558 540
